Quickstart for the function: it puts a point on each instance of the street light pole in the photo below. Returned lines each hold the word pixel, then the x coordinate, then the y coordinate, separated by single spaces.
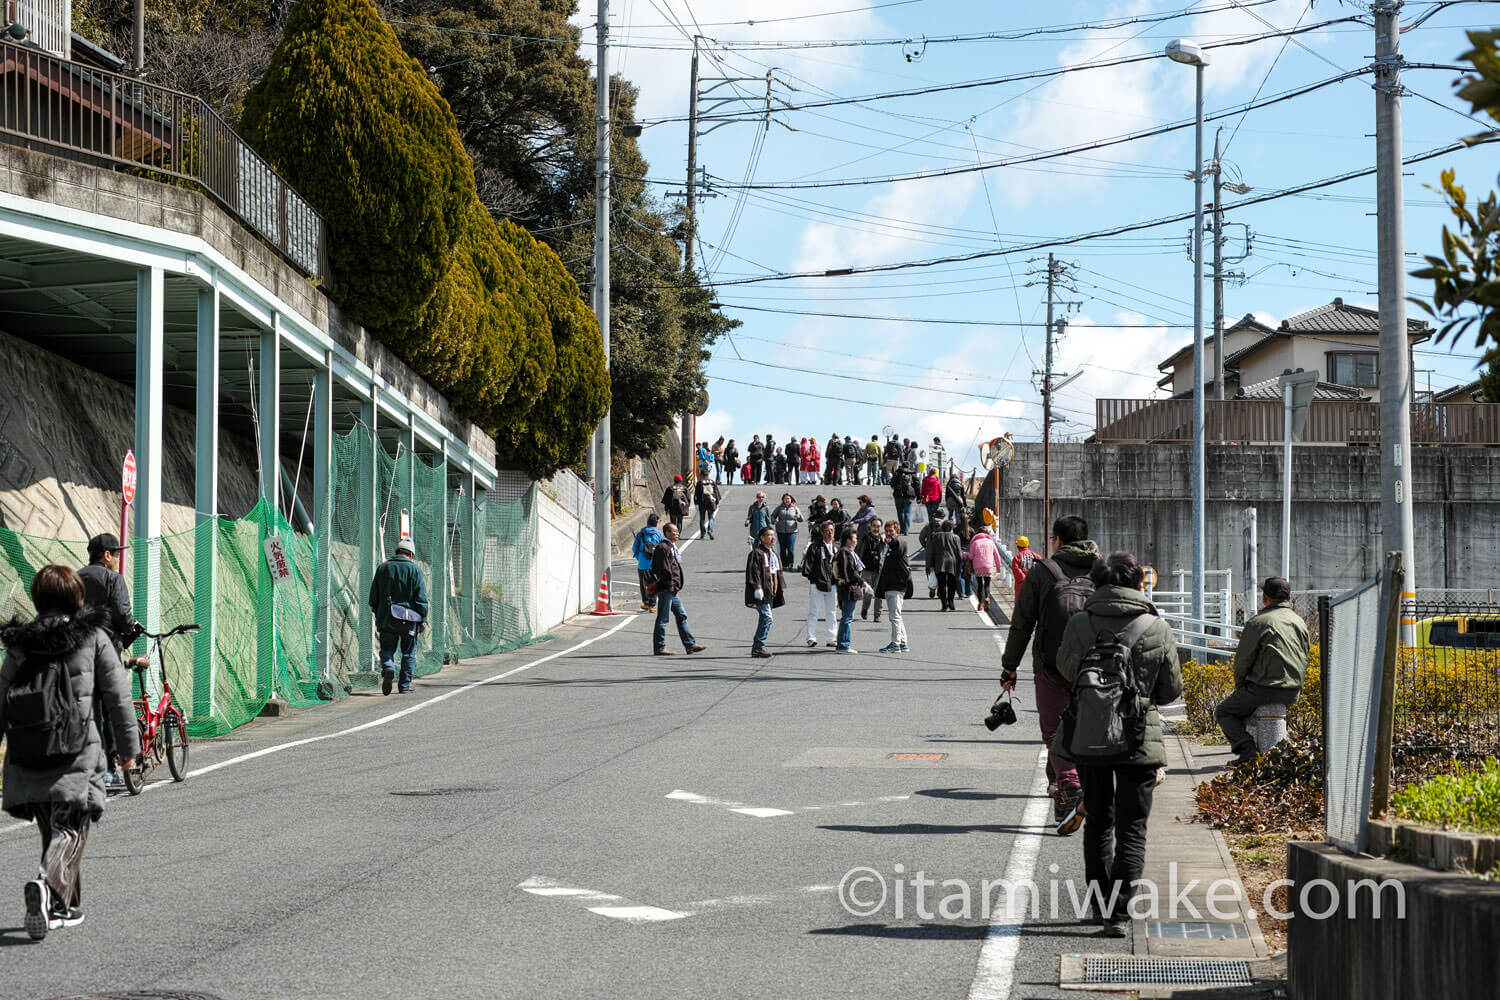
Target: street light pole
pixel 1188 53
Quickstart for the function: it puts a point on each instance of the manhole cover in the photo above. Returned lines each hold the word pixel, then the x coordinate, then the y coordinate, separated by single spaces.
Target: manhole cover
pixel 1121 971
pixel 423 792
pixel 930 758
pixel 1195 929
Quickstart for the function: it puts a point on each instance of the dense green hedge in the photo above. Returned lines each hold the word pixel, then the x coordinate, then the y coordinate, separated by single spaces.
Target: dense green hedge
pixel 478 308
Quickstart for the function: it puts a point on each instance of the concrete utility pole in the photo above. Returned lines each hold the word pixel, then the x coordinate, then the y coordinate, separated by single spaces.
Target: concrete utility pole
pixel 1218 273
pixel 690 231
pixel 140 37
pixel 1046 410
pixel 1395 362
pixel 602 131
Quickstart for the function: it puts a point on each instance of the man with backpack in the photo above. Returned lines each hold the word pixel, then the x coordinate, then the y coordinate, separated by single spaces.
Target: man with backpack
pixel 398 596
pixel 675 502
pixel 1269 666
pixel 1054 591
pixel 904 492
pixel 643 548
pixel 1120 662
pixel 706 497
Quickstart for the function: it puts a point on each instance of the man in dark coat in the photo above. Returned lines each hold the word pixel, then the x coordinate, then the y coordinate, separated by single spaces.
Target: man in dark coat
pixel 1074 557
pixel 675 502
pixel 396 589
pixel 104 588
pixel 793 460
pixel 832 460
pixel 755 454
pixel 894 585
pixel 944 559
pixel 765 589
pixel 666 577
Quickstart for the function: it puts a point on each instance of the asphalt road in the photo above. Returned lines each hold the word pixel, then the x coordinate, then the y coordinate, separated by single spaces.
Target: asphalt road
pixel 583 819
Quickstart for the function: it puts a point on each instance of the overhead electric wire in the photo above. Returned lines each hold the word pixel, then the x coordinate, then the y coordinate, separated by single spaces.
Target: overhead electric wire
pixel 939 321
pixel 880 403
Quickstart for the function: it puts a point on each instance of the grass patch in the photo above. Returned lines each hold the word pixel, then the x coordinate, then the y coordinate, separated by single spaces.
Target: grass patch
pixel 1466 800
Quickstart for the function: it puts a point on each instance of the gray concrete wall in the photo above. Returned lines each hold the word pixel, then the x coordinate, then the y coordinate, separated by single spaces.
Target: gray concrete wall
pixel 1443 946
pixel 1138 497
pixel 63 433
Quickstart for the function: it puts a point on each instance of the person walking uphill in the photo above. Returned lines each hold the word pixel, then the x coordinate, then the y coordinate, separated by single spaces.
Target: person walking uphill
pixel 931 495
pixel 945 559
pixel 1118 629
pixel 675 502
pixel 398 596
pixel 731 461
pixel 646 541
pixel 104 588
pixel 56 667
pixel 718 454
pixel 903 492
pixel 985 558
pixel 1052 593
pixel 706 497
pixel 765 589
pixel 667 581
pixel 1269 666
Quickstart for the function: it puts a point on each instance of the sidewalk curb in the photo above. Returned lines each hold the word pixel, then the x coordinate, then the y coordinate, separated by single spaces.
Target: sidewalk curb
pixel 1246 913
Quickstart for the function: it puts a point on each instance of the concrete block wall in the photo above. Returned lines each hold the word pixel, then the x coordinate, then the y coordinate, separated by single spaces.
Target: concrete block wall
pixel 1138 497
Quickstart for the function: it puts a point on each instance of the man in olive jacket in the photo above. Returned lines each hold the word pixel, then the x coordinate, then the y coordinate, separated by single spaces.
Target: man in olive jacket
pixel 1117 796
pixel 398 580
pixel 1269 666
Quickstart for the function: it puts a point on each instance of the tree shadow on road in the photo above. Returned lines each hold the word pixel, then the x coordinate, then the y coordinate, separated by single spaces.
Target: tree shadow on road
pixel 968 794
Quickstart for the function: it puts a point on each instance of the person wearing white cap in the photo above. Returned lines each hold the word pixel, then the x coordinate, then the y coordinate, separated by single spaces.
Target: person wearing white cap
pixel 398 596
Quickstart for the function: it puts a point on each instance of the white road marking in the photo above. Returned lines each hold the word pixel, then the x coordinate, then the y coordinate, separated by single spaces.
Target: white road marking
pixel 995 976
pixel 763 812
pixel 292 744
pixel 606 904
pixel 983 615
pixel 759 898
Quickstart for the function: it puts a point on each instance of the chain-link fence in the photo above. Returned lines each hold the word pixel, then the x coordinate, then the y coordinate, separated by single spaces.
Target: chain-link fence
pixel 1448 680
pixel 267 638
pixel 1351 707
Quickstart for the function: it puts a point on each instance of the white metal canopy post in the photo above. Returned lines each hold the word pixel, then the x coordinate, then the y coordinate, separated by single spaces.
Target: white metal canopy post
pixel 150 388
pixel 206 503
pixel 602 130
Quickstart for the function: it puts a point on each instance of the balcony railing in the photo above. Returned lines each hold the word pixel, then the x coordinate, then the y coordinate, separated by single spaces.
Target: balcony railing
pixel 1259 421
pixel 93 115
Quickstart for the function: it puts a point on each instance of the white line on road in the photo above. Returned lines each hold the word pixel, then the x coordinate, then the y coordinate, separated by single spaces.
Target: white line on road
pixel 995 976
pixel 760 898
pixel 764 812
pixel 605 904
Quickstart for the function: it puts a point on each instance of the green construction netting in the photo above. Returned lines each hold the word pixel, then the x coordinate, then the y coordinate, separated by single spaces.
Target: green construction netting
pixel 477 558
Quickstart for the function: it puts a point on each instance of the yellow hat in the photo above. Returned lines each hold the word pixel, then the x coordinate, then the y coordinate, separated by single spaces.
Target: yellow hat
pixel 1022 542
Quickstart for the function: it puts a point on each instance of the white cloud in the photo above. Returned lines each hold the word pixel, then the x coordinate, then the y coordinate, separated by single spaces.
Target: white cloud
pixel 937 201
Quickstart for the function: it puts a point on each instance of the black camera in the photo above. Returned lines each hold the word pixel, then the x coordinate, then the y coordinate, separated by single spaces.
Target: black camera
pixel 1002 713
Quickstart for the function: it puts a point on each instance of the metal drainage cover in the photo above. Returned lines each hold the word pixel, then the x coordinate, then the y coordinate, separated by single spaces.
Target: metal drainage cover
pixel 1110 970
pixel 1195 929
pixel 926 758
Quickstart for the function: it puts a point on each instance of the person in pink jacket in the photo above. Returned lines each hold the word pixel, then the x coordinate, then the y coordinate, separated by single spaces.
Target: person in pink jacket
pixel 984 555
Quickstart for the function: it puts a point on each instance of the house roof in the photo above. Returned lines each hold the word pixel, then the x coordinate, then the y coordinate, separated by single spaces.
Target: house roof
pixel 1459 393
pixel 1339 317
pixel 1271 389
pixel 1248 323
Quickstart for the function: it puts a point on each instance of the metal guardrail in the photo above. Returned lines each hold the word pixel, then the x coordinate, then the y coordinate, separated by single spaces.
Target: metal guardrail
pixel 93 115
pixel 1248 421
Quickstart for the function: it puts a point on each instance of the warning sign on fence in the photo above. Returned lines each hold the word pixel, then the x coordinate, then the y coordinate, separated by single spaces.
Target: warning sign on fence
pixel 276 560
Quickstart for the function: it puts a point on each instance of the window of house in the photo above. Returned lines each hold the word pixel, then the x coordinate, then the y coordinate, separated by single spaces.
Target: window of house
pixel 1360 369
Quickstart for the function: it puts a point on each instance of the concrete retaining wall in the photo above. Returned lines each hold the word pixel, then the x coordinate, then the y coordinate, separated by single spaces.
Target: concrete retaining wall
pixel 1138 497
pixel 565 583
pixel 1444 945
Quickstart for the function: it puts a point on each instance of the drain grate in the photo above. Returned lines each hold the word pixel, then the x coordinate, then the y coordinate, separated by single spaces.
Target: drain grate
pixel 1109 970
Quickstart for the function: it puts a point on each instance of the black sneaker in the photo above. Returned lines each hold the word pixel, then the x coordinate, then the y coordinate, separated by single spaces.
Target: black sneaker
pixel 64 916
pixel 387 678
pixel 38 906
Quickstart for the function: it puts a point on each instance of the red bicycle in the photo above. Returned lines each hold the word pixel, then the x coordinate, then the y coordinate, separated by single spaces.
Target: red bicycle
pixel 163 729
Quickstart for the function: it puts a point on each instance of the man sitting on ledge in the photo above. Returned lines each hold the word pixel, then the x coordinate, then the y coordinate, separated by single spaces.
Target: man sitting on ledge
pixel 1269 666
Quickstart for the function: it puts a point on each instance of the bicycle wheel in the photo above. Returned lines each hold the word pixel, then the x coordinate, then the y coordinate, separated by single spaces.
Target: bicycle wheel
pixel 175 744
pixel 135 777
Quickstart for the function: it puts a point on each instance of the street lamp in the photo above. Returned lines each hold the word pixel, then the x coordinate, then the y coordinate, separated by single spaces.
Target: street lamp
pixel 1184 51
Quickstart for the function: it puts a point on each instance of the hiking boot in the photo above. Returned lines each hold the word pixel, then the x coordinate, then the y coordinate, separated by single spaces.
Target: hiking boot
pixel 38 905
pixel 663 652
pixel 696 649
pixel 387 678
pixel 761 654
pixel 1068 811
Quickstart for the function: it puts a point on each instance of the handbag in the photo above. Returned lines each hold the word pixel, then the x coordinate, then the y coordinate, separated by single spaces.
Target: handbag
pixel 403 620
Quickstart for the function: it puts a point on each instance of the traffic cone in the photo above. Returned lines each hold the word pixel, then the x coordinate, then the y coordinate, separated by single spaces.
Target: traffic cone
pixel 601 603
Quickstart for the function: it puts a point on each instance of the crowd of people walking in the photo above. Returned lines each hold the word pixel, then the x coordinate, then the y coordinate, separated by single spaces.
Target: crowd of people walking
pixel 842 461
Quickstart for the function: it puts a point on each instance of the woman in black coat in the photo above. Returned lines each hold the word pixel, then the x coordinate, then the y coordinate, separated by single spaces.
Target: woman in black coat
pixel 894 585
pixel 945 559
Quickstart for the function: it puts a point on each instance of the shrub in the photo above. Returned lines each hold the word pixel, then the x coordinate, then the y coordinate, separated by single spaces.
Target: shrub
pixel 1205 685
pixel 1467 800
pixel 1281 791
pixel 354 124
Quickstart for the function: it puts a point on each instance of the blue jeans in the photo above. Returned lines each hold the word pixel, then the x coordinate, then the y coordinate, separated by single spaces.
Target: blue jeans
pixel 763 627
pixel 408 643
pixel 670 603
pixel 787 546
pixel 705 521
pixel 846 623
pixel 903 514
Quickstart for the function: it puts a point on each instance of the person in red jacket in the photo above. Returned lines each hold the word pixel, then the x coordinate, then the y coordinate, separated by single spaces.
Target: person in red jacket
pixel 931 494
pixel 1022 561
pixel 814 460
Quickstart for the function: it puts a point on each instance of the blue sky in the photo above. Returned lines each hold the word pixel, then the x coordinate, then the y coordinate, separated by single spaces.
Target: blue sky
pixel 968 383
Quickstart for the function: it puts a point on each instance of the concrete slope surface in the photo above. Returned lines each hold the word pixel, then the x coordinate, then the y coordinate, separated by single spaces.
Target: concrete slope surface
pixel 584 819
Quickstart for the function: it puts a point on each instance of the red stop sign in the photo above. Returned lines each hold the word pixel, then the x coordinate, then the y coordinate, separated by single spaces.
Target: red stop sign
pixel 127 477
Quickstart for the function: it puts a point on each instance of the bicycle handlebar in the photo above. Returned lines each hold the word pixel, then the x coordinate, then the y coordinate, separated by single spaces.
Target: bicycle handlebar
pixel 179 630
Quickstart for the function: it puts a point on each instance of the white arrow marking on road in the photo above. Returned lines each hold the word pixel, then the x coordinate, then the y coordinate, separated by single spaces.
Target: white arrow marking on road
pixel 764 812
pixel 760 898
pixel 995 976
pixel 605 904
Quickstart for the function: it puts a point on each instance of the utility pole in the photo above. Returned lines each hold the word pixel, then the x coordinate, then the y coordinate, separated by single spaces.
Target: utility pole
pixel 602 134
pixel 1218 274
pixel 1046 410
pixel 1395 361
pixel 140 38
pixel 690 230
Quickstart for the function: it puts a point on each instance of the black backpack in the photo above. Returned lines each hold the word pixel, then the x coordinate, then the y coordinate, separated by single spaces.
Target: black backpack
pixel 1105 721
pixel 44 726
pixel 1066 598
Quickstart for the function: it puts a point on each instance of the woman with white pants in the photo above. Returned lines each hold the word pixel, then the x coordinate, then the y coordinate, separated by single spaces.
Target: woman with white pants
pixel 894 583
pixel 822 591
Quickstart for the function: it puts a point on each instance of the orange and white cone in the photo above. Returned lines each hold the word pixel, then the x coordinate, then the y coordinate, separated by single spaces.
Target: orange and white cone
pixel 601 603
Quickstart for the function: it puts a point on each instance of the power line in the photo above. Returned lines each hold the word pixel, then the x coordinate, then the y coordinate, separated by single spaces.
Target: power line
pixel 949 322
pixel 875 403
